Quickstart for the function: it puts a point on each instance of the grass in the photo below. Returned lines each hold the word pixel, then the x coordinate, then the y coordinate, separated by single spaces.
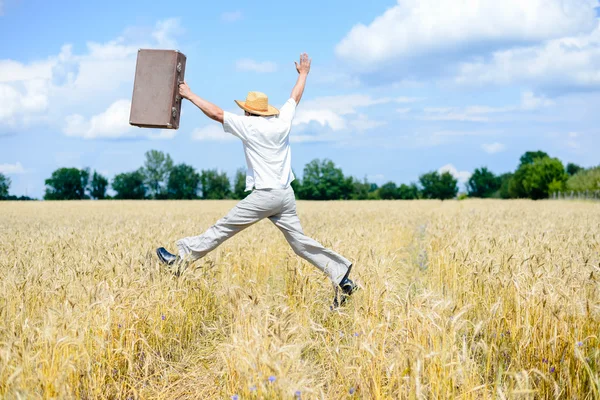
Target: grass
pixel 473 299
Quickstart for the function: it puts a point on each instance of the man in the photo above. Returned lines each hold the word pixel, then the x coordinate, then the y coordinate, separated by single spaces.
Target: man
pixel 264 132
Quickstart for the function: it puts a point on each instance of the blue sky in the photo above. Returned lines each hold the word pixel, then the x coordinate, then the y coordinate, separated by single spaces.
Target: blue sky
pixel 396 88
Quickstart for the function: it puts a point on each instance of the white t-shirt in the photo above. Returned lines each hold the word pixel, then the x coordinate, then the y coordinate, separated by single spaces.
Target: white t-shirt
pixel 266 146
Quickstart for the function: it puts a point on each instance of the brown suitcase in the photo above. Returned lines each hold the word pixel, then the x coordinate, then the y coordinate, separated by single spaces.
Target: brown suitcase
pixel 155 102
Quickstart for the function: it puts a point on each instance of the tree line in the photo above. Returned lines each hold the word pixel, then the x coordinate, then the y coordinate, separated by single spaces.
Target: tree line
pixel 537 176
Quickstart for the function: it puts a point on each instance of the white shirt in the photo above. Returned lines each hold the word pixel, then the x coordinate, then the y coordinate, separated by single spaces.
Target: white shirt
pixel 266 146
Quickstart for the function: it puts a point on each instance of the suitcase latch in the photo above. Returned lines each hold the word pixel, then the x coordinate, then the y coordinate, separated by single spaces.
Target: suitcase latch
pixel 174 112
pixel 178 67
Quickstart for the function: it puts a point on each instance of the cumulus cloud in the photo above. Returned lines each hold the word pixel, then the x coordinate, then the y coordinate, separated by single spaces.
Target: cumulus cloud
pixel 363 123
pixel 478 113
pixel 247 64
pixel 461 176
pixel 166 31
pixel 231 16
pixel 493 148
pixel 212 133
pixel 42 89
pixel 421 27
pixel 568 62
pixel 8 169
pixel 332 111
pixel 112 123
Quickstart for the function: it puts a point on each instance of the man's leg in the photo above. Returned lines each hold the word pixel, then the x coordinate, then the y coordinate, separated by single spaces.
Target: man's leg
pixel 252 209
pixel 328 261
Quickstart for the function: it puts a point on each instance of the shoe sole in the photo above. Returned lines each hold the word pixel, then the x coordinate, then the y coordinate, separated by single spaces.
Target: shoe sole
pixel 161 258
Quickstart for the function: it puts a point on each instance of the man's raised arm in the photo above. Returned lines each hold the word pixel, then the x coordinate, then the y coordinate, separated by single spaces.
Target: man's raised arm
pixel 209 109
pixel 303 69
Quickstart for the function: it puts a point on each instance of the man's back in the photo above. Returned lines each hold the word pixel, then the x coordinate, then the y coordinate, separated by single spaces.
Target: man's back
pixel 266 146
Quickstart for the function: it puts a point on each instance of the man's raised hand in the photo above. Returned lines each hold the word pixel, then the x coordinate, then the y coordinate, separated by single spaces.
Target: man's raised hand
pixel 304 66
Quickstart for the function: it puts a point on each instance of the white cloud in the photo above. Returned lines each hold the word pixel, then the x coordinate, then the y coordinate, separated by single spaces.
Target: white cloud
pixel 560 63
pixel 363 123
pixel 112 123
pixel 16 168
pixel 478 113
pixel 330 111
pixel 231 16
pixel 247 64
pixel 166 31
pixel 461 176
pixel 43 89
pixel 421 27
pixel 322 117
pixel 529 101
pixel 493 148
pixel 453 114
pixel 212 133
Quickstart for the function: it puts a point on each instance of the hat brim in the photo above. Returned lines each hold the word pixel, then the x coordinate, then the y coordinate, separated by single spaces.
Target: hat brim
pixel 270 109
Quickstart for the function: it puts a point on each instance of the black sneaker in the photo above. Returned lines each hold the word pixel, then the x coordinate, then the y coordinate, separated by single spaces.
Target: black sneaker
pixel 344 290
pixel 165 257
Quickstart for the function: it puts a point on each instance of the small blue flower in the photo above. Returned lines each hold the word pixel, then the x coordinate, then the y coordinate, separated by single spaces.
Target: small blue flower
pixel 579 344
pixel 356 334
pixel 298 394
pixel 163 317
pixel 120 326
pixel 352 390
pixel 253 388
pixel 552 369
pixel 272 379
pixel 235 397
pixel 545 360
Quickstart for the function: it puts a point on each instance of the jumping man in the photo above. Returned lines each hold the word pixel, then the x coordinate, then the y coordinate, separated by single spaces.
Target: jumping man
pixel 265 134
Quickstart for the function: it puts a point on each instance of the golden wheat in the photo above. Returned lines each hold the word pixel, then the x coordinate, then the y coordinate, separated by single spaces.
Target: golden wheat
pixel 473 299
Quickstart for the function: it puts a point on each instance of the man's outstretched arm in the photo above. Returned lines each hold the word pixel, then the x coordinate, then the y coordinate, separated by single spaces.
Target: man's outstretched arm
pixel 303 69
pixel 209 109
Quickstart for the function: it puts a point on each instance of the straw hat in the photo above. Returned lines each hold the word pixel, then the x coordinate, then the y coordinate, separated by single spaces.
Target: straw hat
pixel 257 103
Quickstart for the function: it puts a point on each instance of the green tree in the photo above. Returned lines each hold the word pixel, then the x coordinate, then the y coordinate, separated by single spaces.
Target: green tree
pixel 98 186
pixel 587 179
pixel 183 182
pixel 530 156
pixel 4 186
pixel 408 192
pixel 322 180
pixel 156 171
pixel 503 192
pixel 214 185
pixel 239 185
pixel 483 183
pixel 572 169
pixel 388 191
pixel 516 188
pixel 364 190
pixel 542 177
pixel 130 185
pixel 67 184
pixel 438 186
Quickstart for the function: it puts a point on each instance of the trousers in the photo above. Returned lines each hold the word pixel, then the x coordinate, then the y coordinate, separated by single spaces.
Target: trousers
pixel 279 205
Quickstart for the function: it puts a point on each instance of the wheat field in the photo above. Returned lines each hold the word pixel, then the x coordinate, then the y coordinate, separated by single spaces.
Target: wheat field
pixel 473 299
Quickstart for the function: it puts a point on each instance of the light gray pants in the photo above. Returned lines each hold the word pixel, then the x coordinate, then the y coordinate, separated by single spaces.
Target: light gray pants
pixel 279 205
